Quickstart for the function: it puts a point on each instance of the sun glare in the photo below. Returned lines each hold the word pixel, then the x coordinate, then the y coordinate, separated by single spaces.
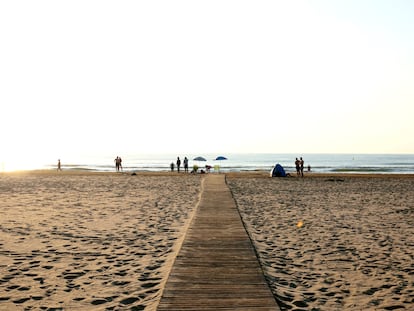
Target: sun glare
pixel 21 163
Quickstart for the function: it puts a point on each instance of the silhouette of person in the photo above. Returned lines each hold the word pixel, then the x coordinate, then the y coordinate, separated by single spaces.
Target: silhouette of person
pixel 301 163
pixel 117 163
pixel 178 164
pixel 297 165
pixel 185 164
pixel 59 167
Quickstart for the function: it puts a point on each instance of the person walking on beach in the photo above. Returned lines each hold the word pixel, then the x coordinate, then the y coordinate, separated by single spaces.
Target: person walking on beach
pixel 59 167
pixel 178 164
pixel 185 164
pixel 172 166
pixel 301 163
pixel 297 165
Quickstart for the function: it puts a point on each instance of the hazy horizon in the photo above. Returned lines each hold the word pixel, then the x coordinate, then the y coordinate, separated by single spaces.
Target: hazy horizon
pixel 205 77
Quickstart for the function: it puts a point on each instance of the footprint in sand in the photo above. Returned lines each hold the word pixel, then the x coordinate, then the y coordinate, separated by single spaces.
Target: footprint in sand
pixel 21 300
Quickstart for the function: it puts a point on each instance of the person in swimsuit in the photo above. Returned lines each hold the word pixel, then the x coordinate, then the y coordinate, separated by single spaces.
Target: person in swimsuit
pixel 297 165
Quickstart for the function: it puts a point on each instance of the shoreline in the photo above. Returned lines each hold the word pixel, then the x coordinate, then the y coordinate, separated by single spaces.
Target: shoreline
pixel 231 174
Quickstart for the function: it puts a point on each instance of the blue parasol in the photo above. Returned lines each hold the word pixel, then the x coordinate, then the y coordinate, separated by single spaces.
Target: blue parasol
pixel 217 167
pixel 199 159
pixel 220 158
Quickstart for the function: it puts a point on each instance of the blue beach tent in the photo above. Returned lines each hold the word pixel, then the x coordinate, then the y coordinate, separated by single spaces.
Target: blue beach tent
pixel 278 171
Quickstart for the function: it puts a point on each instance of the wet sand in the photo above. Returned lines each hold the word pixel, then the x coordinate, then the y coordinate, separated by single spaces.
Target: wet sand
pixel 107 241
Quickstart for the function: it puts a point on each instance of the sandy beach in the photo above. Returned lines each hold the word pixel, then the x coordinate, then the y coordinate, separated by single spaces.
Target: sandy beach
pixel 82 241
pixel 333 242
pixel 107 241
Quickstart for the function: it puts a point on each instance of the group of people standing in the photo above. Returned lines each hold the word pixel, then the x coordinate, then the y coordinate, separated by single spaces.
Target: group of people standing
pixel 178 163
pixel 118 164
pixel 299 164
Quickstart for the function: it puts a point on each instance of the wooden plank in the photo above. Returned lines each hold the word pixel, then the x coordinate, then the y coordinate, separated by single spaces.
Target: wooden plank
pixel 216 268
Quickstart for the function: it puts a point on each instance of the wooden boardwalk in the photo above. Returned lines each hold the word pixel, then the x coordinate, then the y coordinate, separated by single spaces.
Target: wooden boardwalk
pixel 216 268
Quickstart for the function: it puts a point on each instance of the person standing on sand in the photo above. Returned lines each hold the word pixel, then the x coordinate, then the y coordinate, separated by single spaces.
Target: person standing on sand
pixel 117 163
pixel 301 163
pixel 185 164
pixel 59 167
pixel 297 165
pixel 178 164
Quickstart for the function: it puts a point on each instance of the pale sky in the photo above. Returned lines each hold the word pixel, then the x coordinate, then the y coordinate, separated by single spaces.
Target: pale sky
pixel 206 76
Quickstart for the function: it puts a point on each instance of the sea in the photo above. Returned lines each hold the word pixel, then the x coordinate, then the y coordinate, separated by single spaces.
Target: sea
pixel 321 163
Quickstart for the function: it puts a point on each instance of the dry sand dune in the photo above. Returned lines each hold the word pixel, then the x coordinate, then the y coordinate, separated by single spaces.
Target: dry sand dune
pixel 333 243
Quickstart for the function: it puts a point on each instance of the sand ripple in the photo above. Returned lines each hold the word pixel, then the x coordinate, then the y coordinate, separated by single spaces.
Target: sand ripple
pixel 328 244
